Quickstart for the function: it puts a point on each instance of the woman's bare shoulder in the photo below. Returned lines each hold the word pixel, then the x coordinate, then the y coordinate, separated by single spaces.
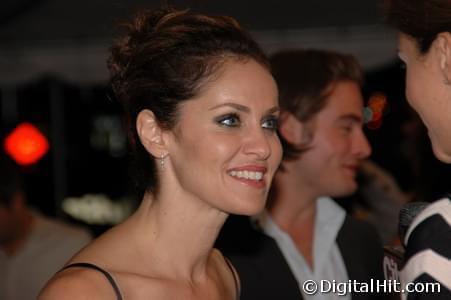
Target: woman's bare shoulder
pixel 227 271
pixel 77 284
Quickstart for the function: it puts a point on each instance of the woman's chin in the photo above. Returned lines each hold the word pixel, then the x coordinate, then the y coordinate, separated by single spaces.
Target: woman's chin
pixel 440 154
pixel 250 209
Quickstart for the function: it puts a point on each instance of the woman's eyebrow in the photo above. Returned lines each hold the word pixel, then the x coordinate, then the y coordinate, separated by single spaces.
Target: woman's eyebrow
pixel 233 105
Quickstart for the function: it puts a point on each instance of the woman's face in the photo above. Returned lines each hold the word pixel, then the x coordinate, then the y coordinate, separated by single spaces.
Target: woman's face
pixel 427 93
pixel 224 149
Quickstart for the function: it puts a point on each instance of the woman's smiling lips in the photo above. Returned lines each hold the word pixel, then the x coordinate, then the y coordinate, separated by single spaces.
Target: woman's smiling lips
pixel 250 174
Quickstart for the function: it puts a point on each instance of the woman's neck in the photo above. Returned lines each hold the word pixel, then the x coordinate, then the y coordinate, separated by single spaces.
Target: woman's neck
pixel 181 231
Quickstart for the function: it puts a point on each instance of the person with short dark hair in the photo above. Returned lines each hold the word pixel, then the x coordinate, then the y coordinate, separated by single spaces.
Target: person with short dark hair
pixel 32 246
pixel 202 110
pixel 424 45
pixel 303 235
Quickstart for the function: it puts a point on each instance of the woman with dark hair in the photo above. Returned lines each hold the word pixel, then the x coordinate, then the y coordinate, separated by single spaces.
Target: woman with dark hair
pixel 303 235
pixel 425 48
pixel 202 112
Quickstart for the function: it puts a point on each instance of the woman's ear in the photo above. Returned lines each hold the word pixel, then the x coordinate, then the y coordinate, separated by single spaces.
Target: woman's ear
pixel 444 53
pixel 150 133
pixel 291 129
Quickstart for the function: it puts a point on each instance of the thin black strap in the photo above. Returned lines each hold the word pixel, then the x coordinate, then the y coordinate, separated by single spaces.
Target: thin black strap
pixel 107 275
pixel 235 277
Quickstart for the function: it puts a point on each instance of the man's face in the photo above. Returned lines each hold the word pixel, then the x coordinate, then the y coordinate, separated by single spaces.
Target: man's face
pixel 338 146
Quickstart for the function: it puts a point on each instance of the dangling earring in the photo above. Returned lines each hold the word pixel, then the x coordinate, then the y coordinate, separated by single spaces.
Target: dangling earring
pixel 445 77
pixel 162 161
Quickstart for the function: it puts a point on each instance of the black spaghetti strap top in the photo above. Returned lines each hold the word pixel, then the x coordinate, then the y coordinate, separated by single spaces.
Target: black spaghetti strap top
pixel 107 275
pixel 116 288
pixel 235 278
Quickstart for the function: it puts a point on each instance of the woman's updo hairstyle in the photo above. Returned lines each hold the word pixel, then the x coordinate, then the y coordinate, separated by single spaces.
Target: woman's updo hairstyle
pixel 164 58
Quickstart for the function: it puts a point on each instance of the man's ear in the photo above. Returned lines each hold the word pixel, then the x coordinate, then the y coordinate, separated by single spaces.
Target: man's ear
pixel 150 133
pixel 291 129
pixel 443 44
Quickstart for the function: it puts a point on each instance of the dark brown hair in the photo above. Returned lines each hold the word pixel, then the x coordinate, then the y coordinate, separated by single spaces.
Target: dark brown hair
pixel 421 19
pixel 305 79
pixel 165 57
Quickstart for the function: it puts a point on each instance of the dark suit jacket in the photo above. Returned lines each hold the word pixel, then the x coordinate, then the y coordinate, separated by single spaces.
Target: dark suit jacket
pixel 265 274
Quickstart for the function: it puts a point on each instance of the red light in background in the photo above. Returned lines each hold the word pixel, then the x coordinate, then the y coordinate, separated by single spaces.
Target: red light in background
pixel 375 124
pixel 377 107
pixel 26 144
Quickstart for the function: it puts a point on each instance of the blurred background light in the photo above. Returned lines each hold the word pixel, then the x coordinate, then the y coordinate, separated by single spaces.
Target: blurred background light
pixel 26 144
pixel 97 209
pixel 377 107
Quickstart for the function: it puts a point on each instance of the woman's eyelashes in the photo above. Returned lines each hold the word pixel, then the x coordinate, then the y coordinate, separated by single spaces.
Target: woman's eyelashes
pixel 271 123
pixel 233 120
pixel 229 120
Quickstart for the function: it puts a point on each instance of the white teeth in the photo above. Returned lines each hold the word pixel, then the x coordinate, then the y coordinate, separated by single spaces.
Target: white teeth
pixel 247 175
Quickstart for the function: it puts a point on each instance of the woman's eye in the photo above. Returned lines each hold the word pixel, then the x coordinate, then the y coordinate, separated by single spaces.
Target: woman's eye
pixel 229 120
pixel 271 124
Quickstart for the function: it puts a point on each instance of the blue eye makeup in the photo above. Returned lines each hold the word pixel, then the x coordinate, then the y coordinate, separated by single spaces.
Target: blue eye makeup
pixel 271 123
pixel 229 120
pixel 233 120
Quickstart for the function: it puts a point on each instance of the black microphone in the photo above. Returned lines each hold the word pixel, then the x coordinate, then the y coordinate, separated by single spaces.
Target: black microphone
pixel 394 255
